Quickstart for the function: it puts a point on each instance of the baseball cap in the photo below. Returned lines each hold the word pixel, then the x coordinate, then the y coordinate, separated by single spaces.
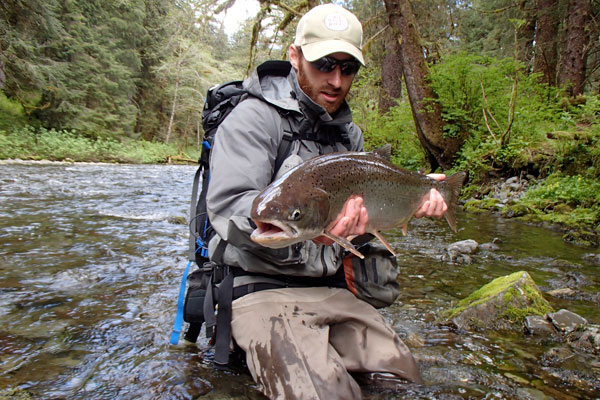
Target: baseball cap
pixel 328 29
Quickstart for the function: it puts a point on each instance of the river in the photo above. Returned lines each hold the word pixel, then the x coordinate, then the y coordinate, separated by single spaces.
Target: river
pixel 91 258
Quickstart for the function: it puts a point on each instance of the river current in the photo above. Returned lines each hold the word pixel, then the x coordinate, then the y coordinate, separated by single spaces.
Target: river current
pixel 91 257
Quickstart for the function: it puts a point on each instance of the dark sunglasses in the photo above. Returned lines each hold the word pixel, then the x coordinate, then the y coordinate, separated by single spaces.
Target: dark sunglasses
pixel 328 64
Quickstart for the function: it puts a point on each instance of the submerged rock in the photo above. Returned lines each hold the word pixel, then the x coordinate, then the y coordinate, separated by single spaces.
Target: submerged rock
pixel 504 303
pixel 468 246
pixel 592 258
pixel 566 321
pixel 586 338
pixel 491 246
pixel 459 252
pixel 539 326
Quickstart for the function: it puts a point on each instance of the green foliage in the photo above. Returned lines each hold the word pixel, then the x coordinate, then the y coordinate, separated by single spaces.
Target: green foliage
pixel 11 113
pixel 571 201
pixel 396 127
pixel 460 83
pixel 575 191
pixel 37 144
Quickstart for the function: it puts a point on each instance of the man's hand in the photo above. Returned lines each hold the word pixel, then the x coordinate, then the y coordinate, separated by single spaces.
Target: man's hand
pixel 351 221
pixel 433 202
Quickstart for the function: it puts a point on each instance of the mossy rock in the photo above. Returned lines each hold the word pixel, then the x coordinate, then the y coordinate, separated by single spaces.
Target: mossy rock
pixel 582 237
pixel 474 205
pixel 501 304
pixel 515 210
pixel 14 394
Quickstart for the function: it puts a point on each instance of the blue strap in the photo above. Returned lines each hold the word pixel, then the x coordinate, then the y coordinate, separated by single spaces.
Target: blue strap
pixel 201 248
pixel 179 317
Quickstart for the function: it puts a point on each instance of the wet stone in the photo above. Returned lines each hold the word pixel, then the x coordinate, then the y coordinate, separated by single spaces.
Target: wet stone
pixel 491 246
pixel 468 246
pixel 539 326
pixel 566 321
pixel 556 356
pixel 586 339
pixel 456 257
pixel 592 258
pixel 562 293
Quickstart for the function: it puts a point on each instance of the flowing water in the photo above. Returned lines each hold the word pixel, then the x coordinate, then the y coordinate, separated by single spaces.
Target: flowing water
pixel 91 257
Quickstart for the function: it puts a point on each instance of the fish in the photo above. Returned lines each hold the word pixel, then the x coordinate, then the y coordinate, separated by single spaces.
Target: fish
pixel 303 203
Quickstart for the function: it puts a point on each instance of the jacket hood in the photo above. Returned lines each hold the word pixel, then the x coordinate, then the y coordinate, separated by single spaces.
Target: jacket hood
pixel 276 83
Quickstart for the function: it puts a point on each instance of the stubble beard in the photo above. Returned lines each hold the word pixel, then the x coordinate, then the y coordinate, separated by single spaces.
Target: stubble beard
pixel 312 92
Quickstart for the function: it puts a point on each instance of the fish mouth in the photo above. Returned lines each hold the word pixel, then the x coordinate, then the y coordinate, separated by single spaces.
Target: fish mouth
pixel 274 234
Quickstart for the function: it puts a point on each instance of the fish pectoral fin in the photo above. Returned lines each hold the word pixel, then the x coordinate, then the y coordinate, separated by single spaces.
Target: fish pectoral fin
pixel 345 243
pixel 379 236
pixel 404 228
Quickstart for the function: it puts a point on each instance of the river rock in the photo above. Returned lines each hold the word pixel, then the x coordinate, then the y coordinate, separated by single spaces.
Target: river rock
pixel 177 220
pixel 592 258
pixel 566 321
pixel 456 257
pixel 468 246
pixel 501 304
pixel 586 339
pixel 491 246
pixel 539 326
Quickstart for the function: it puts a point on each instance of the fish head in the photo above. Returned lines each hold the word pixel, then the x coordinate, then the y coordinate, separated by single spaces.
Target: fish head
pixel 285 215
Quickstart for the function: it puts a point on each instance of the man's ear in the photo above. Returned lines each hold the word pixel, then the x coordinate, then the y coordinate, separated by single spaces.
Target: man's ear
pixel 294 54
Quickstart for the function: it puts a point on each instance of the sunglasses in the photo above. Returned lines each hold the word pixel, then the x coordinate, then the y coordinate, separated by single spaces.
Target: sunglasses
pixel 327 64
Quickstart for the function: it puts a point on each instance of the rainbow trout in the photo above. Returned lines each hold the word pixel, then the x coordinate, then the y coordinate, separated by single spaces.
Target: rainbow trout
pixel 303 203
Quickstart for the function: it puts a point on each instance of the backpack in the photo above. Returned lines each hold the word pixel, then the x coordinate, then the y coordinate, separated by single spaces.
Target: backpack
pixel 211 283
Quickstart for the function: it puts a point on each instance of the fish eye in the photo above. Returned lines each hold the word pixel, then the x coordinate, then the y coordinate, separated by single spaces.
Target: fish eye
pixel 295 215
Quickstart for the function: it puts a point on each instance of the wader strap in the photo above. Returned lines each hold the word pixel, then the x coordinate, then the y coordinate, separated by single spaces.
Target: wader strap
pixel 223 339
pixel 209 309
pixel 192 241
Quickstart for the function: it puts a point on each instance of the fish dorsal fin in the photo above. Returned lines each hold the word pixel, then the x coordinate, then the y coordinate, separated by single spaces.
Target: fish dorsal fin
pixel 384 151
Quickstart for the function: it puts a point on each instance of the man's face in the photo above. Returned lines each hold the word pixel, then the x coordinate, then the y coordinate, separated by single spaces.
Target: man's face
pixel 328 89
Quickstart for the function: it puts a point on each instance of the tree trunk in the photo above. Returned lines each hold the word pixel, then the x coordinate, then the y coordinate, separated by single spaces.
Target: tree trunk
pixel 427 114
pixel 574 57
pixel 173 108
pixel 527 35
pixel 545 57
pixel 391 73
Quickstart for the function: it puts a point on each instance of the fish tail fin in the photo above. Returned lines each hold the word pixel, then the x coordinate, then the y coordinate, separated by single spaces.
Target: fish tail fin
pixel 454 184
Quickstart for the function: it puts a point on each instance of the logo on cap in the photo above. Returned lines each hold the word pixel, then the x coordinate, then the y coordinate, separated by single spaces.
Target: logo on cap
pixel 336 22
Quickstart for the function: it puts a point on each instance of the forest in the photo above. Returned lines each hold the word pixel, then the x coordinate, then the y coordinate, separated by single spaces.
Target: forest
pixel 498 88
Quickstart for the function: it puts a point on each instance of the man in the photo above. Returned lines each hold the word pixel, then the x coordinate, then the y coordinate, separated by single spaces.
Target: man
pixel 303 332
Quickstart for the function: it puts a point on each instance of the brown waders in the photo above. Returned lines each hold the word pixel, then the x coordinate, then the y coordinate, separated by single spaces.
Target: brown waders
pixel 302 343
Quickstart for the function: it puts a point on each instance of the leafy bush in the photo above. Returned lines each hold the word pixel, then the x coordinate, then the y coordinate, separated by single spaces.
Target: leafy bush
pixel 576 191
pixel 35 144
pixel 396 127
pixel 570 200
pixel 11 113
pixel 460 83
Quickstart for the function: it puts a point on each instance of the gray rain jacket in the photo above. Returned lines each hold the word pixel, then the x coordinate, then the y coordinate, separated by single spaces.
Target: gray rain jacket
pixel 242 164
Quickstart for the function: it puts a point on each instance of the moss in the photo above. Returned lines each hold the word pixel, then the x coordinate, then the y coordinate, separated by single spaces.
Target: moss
pixel 474 205
pixel 515 210
pixel 510 297
pixel 14 394
pixel 486 292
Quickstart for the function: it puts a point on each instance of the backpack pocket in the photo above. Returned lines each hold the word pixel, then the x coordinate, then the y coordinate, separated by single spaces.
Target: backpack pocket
pixel 193 309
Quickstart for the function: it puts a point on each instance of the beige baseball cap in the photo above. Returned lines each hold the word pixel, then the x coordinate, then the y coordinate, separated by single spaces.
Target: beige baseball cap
pixel 328 29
